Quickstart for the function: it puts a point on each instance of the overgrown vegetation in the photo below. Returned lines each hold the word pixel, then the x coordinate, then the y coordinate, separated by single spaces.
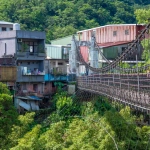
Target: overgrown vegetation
pixel 59 18
pixel 75 124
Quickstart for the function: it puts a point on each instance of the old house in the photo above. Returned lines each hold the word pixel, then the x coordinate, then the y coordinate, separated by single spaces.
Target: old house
pixel 56 66
pixel 28 50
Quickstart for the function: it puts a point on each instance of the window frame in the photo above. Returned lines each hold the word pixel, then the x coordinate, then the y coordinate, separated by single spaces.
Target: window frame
pixel 115 33
pixel 126 32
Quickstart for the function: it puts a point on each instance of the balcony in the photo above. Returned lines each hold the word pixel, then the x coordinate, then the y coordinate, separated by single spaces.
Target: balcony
pixel 24 75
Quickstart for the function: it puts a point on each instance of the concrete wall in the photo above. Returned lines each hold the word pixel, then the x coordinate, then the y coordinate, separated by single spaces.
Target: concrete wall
pixel 10 46
pixel 29 87
pixel 30 34
pixel 48 88
pixel 8 26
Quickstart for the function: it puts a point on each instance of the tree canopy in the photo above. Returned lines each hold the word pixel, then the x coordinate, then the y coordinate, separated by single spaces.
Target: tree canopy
pixel 60 18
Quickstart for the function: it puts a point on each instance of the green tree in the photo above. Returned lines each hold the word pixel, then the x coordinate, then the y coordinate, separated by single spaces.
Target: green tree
pixel 8 117
pixel 142 15
pixel 4 89
pixel 146 53
pixel 25 124
pixel 29 140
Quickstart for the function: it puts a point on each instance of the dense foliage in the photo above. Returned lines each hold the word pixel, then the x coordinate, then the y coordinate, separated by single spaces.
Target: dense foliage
pixel 64 17
pixel 72 124
pixel 8 115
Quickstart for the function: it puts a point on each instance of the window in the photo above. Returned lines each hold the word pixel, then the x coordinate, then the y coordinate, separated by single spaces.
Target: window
pixel 114 33
pixel 126 32
pixel 31 49
pixel 24 87
pixel 123 49
pixel 11 29
pixel 32 46
pixel 35 87
pixel 60 63
pixel 3 28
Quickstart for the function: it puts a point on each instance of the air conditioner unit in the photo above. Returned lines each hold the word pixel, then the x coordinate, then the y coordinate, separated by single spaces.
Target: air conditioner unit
pixel 19 40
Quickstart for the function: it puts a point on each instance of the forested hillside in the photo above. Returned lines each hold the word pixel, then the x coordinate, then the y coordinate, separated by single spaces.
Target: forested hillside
pixel 72 123
pixel 64 17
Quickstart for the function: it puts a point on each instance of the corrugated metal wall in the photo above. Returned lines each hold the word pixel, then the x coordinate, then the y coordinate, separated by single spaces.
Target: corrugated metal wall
pixel 54 52
pixel 8 73
pixel 57 51
pixel 105 34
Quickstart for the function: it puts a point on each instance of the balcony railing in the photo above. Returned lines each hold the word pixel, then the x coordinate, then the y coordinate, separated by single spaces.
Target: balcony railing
pixel 56 74
pixel 28 72
pixel 24 74
pixel 29 54
pixel 59 71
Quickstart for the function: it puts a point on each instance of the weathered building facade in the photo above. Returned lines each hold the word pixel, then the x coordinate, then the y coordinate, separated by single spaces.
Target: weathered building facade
pixel 111 39
pixel 28 50
pixel 56 66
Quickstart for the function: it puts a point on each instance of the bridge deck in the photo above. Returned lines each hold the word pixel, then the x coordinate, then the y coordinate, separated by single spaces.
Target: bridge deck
pixel 132 90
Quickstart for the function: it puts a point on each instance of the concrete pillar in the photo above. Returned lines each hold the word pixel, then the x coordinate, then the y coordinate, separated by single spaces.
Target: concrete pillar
pixel 73 58
pixel 93 54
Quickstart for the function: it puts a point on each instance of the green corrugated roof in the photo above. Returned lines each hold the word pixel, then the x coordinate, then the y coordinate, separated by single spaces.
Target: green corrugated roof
pixel 63 41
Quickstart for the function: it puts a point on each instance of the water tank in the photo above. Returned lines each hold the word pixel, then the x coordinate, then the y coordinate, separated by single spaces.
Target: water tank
pixel 16 26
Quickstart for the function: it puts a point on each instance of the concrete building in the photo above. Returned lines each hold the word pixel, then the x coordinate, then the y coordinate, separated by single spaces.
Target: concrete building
pixel 27 48
pixel 56 66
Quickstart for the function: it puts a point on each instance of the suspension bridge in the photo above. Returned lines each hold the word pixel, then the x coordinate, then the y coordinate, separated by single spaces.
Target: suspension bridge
pixel 130 86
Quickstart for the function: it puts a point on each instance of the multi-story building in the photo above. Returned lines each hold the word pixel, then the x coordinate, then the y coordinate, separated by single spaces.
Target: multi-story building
pixel 28 50
pixel 112 40
pixel 56 66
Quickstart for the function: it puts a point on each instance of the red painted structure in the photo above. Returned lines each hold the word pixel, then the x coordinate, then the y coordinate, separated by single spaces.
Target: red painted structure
pixel 110 35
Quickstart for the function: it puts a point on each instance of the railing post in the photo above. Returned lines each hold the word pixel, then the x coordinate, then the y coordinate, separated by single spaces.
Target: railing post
pixel 113 79
pixel 137 74
pixel 120 80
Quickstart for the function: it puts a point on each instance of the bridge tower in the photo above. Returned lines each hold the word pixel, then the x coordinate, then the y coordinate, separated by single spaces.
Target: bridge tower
pixel 93 53
pixel 73 59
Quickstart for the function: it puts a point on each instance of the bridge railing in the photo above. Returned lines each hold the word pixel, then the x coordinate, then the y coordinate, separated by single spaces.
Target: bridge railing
pixel 132 89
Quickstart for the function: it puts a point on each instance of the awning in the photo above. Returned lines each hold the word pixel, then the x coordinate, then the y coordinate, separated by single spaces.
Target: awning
pixel 34 98
pixel 29 98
